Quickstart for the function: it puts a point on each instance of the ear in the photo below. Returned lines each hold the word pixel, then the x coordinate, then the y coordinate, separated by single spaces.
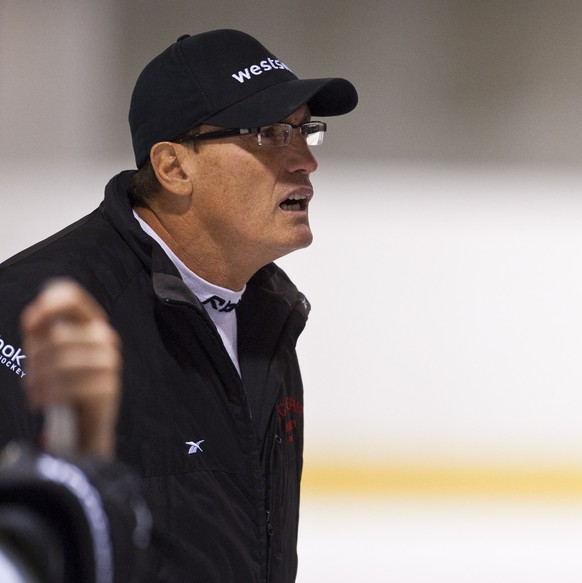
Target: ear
pixel 167 161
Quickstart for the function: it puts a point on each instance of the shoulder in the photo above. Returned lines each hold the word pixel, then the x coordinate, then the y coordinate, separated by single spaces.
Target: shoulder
pixel 89 251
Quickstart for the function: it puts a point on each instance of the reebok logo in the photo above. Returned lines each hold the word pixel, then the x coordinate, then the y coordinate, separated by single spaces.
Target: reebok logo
pixel 194 446
pixel 220 304
pixel 11 358
pixel 263 67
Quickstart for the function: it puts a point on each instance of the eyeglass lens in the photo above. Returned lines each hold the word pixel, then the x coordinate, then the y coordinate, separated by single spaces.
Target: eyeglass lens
pixel 280 134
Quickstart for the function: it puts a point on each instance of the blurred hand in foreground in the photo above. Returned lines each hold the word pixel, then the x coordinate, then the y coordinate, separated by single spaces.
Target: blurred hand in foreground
pixel 74 362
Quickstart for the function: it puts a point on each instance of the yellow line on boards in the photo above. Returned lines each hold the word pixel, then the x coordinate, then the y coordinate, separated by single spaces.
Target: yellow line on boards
pixel 442 480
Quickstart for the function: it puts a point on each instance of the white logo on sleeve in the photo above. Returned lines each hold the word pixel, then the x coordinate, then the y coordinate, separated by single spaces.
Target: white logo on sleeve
pixel 194 446
pixel 11 357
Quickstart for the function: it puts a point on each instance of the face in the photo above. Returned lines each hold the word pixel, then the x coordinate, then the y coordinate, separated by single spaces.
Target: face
pixel 251 201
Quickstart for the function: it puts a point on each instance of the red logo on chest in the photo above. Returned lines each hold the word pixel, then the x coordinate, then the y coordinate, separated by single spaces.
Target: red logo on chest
pixel 290 410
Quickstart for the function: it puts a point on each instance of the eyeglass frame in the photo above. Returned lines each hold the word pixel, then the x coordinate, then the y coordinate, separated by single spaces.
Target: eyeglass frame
pixel 256 131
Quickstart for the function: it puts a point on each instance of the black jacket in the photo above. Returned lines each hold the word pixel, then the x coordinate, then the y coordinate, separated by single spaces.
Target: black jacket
pixel 219 460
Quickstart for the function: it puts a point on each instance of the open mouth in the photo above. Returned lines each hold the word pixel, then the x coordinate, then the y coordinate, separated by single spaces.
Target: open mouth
pixel 296 202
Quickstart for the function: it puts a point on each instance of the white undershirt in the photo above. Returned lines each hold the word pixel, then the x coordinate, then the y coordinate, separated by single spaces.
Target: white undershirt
pixel 219 302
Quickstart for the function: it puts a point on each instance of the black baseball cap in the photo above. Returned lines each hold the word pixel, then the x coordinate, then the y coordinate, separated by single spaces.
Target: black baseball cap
pixel 225 78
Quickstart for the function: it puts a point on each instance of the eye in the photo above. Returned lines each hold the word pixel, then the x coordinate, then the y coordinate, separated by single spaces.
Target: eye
pixel 277 134
pixel 270 132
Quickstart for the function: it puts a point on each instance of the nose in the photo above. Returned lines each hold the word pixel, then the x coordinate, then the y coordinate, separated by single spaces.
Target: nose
pixel 301 158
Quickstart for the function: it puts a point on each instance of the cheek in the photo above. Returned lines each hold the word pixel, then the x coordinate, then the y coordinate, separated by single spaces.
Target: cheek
pixel 235 168
pixel 250 188
pixel 237 186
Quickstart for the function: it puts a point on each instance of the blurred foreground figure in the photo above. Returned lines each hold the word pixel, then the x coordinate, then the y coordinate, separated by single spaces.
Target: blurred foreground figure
pixel 180 256
pixel 76 516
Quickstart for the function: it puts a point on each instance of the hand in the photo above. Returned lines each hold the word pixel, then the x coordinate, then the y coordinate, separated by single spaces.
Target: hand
pixel 74 358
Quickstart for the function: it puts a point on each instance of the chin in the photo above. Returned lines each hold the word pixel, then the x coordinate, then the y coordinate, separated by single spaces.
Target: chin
pixel 303 238
pixel 297 245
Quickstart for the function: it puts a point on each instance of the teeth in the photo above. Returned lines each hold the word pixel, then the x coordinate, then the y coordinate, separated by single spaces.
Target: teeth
pixel 294 202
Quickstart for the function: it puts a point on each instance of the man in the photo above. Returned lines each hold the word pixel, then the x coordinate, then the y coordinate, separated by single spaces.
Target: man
pixel 180 256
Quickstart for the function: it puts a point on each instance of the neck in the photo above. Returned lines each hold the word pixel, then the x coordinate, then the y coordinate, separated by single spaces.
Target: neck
pixel 204 258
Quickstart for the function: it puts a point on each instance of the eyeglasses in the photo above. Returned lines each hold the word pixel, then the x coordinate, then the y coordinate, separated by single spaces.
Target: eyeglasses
pixel 274 135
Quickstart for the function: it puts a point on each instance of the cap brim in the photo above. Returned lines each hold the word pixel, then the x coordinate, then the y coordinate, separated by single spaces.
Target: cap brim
pixel 325 97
